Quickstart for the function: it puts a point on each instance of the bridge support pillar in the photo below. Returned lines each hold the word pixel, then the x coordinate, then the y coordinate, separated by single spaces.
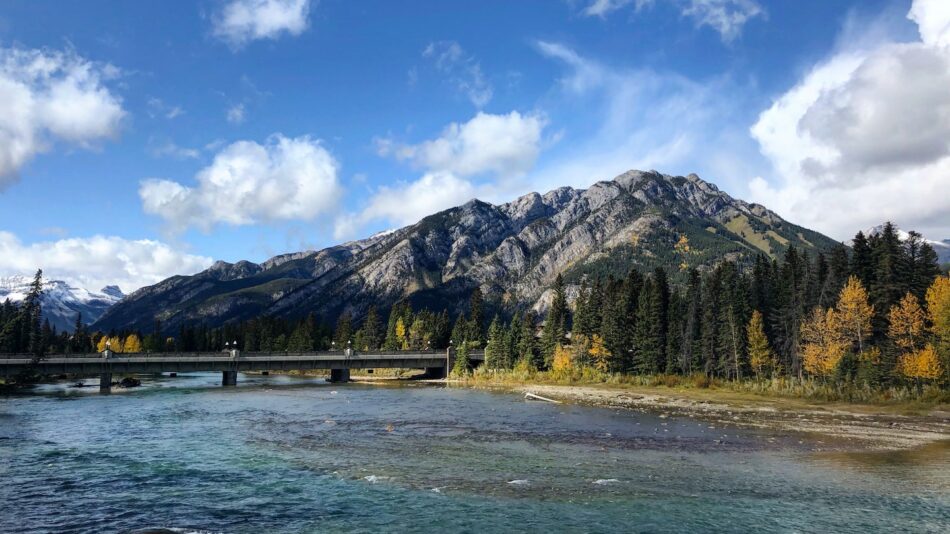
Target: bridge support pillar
pixel 105 383
pixel 229 378
pixel 339 375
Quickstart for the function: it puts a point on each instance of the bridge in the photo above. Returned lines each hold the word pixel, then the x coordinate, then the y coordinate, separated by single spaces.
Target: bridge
pixel 229 363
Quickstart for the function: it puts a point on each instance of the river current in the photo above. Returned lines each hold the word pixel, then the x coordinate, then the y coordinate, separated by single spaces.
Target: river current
pixel 288 454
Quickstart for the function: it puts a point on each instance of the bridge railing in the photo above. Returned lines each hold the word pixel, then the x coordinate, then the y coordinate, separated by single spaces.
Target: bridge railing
pixel 476 355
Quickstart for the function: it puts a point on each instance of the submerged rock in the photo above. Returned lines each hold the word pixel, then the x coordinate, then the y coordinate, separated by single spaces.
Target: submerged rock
pixel 130 382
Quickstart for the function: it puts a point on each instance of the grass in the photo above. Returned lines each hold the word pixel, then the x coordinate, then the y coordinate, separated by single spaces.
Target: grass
pixel 699 385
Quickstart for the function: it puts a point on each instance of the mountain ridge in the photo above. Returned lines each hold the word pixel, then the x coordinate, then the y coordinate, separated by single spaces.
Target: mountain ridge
pixel 511 251
pixel 60 301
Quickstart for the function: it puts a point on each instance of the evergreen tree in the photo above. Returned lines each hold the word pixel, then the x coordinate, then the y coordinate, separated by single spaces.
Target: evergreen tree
pixel 372 333
pixel 555 323
pixel 344 330
pixel 496 356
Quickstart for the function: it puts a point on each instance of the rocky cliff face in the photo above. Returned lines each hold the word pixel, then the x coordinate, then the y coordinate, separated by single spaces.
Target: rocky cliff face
pixel 511 251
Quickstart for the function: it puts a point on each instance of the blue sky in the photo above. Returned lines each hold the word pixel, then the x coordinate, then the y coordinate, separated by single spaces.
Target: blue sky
pixel 148 138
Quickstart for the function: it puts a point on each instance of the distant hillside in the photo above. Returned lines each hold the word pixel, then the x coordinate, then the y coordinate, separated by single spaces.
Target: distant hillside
pixel 511 251
pixel 61 302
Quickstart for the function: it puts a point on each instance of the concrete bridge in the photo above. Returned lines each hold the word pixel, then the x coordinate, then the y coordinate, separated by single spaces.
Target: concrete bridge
pixel 229 363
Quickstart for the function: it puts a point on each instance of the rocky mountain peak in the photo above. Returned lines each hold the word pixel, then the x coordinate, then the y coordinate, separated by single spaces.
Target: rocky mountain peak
pixel 512 251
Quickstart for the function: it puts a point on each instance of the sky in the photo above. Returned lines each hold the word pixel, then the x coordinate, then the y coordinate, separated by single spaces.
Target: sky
pixel 139 140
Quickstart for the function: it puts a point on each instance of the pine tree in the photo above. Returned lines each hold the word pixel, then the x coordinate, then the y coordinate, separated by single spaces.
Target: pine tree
pixel 460 365
pixel 527 344
pixel 496 348
pixel 372 333
pixel 476 322
pixel 344 330
pixel 554 329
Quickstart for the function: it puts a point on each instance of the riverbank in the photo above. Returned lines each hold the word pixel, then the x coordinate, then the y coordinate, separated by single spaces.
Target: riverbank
pixel 840 426
pixel 835 425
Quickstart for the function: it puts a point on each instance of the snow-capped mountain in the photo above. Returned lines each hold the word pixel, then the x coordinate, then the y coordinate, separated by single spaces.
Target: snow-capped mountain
pixel 942 248
pixel 61 302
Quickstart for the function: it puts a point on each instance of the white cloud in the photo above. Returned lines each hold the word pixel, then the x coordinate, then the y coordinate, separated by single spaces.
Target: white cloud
pixel 643 119
pixel 242 21
pixel 865 136
pixel 48 96
pixel 98 261
pixel 502 144
pixel 283 179
pixel 498 149
pixel 407 203
pixel 727 17
pixel 158 108
pixel 172 150
pixel 235 114
pixel 463 71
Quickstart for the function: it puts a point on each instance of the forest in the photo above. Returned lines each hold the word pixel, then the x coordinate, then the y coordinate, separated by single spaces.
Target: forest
pixel 876 314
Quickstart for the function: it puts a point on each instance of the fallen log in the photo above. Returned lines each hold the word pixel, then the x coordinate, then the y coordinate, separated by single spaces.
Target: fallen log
pixel 532 396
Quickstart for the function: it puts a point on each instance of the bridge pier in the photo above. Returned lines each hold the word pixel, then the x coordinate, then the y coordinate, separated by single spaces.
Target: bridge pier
pixel 229 378
pixel 339 375
pixel 105 383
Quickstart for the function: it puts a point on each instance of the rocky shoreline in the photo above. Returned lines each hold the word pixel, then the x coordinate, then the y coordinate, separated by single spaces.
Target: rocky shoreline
pixel 841 427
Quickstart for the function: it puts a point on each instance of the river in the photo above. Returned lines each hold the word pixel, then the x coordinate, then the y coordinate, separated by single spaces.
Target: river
pixel 290 454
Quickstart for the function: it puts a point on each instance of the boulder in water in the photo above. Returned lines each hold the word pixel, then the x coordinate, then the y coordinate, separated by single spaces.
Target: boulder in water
pixel 130 382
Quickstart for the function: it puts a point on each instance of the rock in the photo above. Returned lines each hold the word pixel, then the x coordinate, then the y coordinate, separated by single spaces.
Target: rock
pixel 130 382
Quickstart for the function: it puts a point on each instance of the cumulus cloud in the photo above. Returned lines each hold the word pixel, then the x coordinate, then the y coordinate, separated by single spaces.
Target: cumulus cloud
pixel 242 21
pixel 472 159
pixel 282 179
pixel 98 261
pixel 463 71
pixel 727 17
pixel 48 96
pixel 501 144
pixel 407 202
pixel 867 128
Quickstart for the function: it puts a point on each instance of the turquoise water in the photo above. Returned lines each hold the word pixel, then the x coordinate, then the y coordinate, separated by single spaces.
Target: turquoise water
pixel 282 454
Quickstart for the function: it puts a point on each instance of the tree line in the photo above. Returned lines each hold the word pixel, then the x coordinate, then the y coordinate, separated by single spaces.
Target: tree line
pixel 877 313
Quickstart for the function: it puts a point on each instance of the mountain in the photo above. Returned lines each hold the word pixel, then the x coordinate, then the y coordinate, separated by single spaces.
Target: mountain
pixel 60 301
pixel 942 248
pixel 511 251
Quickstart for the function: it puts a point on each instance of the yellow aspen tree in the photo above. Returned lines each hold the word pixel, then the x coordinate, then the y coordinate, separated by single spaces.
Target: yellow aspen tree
pixel 101 346
pixel 938 311
pixel 923 364
pixel 906 323
pixel 115 344
pixel 761 357
pixel 854 312
pixel 132 343
pixel 563 362
pixel 599 354
pixel 823 342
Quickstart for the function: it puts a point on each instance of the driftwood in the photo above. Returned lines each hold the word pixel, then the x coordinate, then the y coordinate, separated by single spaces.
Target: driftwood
pixel 532 396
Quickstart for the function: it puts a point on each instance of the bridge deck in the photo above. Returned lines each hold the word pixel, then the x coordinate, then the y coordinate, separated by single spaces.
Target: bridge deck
pixel 90 364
